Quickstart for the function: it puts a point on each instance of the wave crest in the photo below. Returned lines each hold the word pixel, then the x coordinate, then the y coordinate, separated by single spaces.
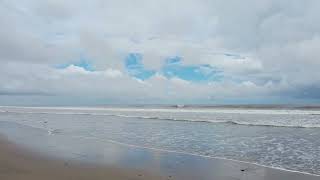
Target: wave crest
pixel 233 122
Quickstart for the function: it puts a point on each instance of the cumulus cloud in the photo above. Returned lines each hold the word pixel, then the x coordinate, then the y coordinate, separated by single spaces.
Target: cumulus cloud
pixel 262 50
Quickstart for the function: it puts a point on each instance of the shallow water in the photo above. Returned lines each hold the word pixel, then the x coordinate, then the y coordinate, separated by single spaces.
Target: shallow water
pixel 288 139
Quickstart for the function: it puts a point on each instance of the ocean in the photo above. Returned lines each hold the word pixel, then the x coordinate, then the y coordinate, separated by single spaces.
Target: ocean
pixel 279 137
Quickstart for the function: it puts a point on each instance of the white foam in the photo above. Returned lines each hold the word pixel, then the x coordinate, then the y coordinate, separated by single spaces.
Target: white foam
pixel 191 110
pixel 127 113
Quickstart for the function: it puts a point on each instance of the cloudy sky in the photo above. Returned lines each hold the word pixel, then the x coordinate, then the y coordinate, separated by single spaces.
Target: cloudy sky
pixel 90 52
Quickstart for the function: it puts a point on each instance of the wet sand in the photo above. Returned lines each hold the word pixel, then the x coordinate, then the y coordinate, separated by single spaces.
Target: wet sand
pixel 18 163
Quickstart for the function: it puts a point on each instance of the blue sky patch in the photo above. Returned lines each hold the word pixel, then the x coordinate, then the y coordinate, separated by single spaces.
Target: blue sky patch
pixel 172 67
pixel 135 68
pixel 196 73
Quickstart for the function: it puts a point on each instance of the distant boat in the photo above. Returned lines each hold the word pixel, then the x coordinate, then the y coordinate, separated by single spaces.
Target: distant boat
pixel 179 106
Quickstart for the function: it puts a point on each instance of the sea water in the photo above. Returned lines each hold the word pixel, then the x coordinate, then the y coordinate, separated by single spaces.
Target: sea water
pixel 286 138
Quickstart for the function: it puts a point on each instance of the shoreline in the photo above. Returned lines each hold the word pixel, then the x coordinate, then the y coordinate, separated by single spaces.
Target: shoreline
pixel 213 158
pixel 17 162
pixel 112 142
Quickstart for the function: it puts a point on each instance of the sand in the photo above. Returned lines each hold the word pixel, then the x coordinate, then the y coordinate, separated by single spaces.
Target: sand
pixel 18 163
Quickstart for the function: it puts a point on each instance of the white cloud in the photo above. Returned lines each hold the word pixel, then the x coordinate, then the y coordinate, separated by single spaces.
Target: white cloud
pixel 274 43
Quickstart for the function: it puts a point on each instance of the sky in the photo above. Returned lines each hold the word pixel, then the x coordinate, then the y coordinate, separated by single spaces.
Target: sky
pixel 96 52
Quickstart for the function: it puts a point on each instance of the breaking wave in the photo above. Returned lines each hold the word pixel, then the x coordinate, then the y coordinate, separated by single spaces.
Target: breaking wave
pixel 199 120
pixel 221 121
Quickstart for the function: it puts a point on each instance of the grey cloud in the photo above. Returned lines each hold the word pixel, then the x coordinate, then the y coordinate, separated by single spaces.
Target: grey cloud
pixel 280 40
pixel 33 93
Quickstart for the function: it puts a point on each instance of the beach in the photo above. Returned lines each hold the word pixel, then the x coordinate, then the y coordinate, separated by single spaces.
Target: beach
pixel 18 163
pixel 68 144
pixel 159 90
